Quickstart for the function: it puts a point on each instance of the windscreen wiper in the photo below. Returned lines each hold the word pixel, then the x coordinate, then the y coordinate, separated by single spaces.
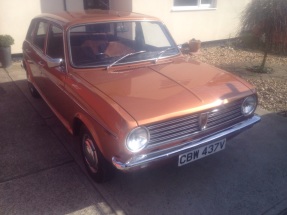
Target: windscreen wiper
pixel 162 52
pixel 121 58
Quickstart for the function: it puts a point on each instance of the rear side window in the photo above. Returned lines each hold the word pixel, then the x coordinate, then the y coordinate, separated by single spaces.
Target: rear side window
pixel 40 35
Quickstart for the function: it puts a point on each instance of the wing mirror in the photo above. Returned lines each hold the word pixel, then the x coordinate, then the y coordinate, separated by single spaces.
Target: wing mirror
pixel 55 62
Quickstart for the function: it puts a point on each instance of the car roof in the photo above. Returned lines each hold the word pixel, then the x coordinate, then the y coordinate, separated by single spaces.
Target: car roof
pixel 68 18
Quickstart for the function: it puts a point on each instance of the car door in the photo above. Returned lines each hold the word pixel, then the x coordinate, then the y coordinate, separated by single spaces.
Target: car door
pixel 54 76
pixel 34 49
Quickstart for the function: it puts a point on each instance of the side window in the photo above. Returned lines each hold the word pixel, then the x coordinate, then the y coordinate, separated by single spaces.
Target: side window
pixel 55 46
pixel 40 35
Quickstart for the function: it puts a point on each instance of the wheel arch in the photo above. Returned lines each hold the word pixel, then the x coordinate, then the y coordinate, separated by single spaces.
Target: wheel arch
pixel 79 121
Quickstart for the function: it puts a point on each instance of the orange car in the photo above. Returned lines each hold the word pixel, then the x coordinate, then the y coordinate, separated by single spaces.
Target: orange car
pixel 119 81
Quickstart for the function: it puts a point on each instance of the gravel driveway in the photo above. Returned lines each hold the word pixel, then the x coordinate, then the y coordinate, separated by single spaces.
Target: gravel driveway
pixel 271 87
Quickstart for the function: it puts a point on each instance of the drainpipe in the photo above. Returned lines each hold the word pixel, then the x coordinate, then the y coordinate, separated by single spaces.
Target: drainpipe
pixel 65 5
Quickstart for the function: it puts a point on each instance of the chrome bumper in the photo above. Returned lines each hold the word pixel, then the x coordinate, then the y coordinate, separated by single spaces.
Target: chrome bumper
pixel 142 160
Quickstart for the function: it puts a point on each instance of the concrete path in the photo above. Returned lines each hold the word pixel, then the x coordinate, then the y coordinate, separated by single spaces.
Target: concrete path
pixel 38 175
pixel 41 171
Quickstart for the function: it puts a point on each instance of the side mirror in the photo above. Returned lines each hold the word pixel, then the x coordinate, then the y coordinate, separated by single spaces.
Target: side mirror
pixel 184 48
pixel 55 62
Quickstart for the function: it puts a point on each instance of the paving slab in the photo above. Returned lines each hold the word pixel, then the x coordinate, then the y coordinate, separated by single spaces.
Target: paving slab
pixel 248 177
pixel 61 190
pixel 38 175
pixel 24 146
pixel 18 75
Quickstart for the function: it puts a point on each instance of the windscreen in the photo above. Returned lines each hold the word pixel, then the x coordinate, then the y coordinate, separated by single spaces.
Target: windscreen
pixel 103 44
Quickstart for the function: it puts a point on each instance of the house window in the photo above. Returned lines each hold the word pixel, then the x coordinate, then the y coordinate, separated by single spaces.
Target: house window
pixel 96 4
pixel 193 4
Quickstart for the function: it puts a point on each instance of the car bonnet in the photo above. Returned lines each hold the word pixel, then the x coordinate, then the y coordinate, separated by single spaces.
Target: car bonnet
pixel 163 91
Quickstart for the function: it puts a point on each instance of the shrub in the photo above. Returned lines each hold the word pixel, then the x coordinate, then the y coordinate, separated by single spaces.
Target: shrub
pixel 6 41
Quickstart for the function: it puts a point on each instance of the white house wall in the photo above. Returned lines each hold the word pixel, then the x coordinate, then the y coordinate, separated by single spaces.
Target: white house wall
pixel 74 5
pixel 48 6
pixel 15 17
pixel 205 25
pixel 123 5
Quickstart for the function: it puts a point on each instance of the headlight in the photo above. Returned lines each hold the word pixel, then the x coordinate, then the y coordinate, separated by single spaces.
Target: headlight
pixel 249 105
pixel 137 139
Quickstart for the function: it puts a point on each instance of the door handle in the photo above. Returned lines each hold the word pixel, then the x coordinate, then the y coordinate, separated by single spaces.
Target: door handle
pixel 41 63
pixel 28 50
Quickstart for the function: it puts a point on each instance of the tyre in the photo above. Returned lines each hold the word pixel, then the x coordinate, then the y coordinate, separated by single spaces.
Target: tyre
pixel 33 90
pixel 98 167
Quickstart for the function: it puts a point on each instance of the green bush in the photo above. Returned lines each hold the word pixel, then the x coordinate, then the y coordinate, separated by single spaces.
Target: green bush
pixel 6 41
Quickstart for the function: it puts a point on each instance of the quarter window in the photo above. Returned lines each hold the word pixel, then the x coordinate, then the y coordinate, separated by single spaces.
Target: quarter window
pixel 40 36
pixel 193 4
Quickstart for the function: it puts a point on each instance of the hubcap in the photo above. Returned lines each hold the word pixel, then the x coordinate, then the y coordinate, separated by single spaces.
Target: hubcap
pixel 90 154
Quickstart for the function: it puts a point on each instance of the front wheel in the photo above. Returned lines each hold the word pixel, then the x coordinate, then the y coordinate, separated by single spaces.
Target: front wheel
pixel 97 166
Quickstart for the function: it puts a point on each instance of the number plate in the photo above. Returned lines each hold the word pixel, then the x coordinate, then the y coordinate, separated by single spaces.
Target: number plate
pixel 201 152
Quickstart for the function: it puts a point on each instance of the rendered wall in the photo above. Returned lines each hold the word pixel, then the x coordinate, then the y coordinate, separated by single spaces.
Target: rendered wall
pixel 74 5
pixel 205 25
pixel 15 17
pixel 48 6
pixel 123 5
pixel 52 6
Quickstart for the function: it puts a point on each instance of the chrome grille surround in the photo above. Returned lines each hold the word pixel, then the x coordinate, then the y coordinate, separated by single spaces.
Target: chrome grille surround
pixel 189 125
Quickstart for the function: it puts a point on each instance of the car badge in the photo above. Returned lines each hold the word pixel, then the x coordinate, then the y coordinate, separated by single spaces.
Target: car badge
pixel 203 117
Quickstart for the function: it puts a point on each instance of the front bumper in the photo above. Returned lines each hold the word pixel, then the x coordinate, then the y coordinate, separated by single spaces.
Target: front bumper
pixel 143 160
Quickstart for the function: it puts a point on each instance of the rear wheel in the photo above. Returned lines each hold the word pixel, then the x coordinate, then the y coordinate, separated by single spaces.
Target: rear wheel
pixel 33 90
pixel 98 167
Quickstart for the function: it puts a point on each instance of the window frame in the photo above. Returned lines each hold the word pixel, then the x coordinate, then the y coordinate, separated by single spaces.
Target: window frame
pixel 199 6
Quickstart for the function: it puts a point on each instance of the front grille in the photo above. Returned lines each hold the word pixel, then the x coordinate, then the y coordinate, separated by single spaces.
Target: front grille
pixel 187 126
